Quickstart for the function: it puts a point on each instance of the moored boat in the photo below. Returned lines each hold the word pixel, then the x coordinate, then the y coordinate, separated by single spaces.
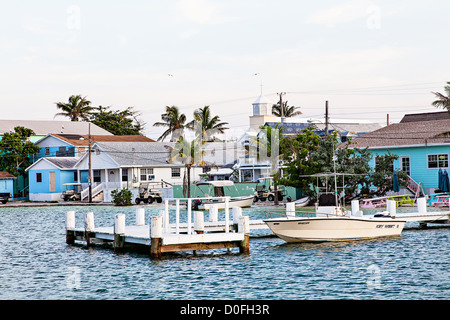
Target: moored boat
pixel 218 191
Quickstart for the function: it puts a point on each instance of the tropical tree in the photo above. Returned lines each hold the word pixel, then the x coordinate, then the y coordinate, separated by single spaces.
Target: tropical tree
pixel 17 151
pixel 288 111
pixel 118 122
pixel 189 153
pixel 267 145
pixel 205 125
pixel 175 123
pixel 443 101
pixel 76 109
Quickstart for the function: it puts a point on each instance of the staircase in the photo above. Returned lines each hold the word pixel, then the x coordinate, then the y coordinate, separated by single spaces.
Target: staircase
pixel 415 188
pixel 97 193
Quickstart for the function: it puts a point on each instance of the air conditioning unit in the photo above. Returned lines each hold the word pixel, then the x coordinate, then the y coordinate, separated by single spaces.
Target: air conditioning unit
pixel 151 177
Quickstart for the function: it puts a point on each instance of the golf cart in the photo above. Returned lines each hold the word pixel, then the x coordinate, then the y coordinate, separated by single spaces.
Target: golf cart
pixel 72 192
pixel 148 194
pixel 263 193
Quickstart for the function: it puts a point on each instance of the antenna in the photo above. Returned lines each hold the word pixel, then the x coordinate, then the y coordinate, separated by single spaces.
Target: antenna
pixel 260 77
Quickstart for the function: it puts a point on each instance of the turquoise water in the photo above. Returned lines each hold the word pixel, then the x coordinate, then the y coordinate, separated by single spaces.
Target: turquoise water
pixel 36 263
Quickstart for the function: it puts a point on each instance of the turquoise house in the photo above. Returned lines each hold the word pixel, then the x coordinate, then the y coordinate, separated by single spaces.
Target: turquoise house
pixel 48 175
pixel 420 142
pixel 7 183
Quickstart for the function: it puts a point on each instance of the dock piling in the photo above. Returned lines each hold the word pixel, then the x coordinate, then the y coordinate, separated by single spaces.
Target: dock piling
pixel 119 231
pixel 237 214
pixel 70 225
pixel 213 213
pixel 391 206
pixel 156 225
pixel 199 222
pixel 290 209
pixel 244 227
pixel 140 216
pixel 89 226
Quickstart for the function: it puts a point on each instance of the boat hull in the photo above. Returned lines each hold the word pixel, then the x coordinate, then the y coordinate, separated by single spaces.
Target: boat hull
pixel 334 229
pixel 243 202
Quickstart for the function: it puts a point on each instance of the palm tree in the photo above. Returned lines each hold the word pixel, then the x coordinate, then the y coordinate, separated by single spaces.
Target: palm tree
pixel 209 126
pixel 175 121
pixel 442 100
pixel 190 154
pixel 288 111
pixel 77 108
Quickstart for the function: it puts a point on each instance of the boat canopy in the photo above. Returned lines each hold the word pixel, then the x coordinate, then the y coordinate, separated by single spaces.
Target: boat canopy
pixel 220 183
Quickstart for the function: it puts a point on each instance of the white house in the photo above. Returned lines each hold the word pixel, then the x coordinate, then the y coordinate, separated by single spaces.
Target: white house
pixel 123 164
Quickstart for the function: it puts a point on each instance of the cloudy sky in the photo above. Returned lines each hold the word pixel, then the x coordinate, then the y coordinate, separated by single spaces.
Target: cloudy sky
pixel 367 58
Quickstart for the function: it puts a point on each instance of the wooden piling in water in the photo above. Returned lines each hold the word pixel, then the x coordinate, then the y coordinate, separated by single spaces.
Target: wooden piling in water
pixel 70 225
pixel 119 232
pixel 244 227
pixel 89 226
pixel 156 226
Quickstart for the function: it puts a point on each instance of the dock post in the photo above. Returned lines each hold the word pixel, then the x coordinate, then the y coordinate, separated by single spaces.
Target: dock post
pixel 227 214
pixel 213 213
pixel 355 207
pixel 199 222
pixel 140 216
pixel 422 205
pixel 189 216
pixel 244 227
pixel 119 232
pixel 177 216
pixel 392 207
pixel 155 236
pixel 89 226
pixel 166 215
pixel 70 225
pixel 237 214
pixel 290 209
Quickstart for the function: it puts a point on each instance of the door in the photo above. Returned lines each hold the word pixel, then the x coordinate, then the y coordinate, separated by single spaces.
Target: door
pixel 52 183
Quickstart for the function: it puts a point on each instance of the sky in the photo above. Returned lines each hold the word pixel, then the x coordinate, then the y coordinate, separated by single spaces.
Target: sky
pixel 366 58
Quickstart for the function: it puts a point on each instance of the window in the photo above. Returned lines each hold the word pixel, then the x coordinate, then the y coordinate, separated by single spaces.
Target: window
pixel 437 161
pixel 97 176
pixel 125 175
pixel 39 177
pixel 147 174
pixel 47 151
pixel 75 176
pixel 176 173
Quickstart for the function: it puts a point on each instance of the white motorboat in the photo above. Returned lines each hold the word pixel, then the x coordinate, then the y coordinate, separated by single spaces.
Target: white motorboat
pixel 301 202
pixel 332 223
pixel 218 191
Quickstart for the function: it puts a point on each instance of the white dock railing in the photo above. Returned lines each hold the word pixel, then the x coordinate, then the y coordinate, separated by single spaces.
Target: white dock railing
pixel 213 212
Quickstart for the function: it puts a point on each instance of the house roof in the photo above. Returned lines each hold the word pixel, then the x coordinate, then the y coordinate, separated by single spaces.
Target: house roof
pixel 406 134
pixel 6 175
pixel 82 140
pixel 138 153
pixel 44 127
pixel 58 162
pixel 429 116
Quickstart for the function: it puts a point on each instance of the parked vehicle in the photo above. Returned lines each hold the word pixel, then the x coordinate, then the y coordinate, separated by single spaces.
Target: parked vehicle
pixel 4 197
pixel 148 194
pixel 72 192
pixel 262 193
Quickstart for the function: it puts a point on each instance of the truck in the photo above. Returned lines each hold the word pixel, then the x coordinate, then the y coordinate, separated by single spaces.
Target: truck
pixel 4 197
pixel 147 194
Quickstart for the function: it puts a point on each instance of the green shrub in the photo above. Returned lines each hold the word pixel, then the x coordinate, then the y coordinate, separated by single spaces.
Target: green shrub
pixel 122 197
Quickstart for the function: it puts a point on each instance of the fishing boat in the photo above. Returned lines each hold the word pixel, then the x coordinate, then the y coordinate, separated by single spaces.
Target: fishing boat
pixel 301 202
pixel 216 189
pixel 331 222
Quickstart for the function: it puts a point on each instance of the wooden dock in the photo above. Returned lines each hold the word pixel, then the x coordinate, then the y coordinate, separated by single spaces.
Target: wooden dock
pixel 160 236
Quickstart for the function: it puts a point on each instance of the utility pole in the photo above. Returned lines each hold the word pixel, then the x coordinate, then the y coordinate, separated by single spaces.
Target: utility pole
pixel 281 94
pixel 90 165
pixel 326 117
pixel 387 119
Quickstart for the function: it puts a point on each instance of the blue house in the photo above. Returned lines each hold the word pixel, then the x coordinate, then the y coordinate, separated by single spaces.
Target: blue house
pixel 420 141
pixel 7 183
pixel 48 175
